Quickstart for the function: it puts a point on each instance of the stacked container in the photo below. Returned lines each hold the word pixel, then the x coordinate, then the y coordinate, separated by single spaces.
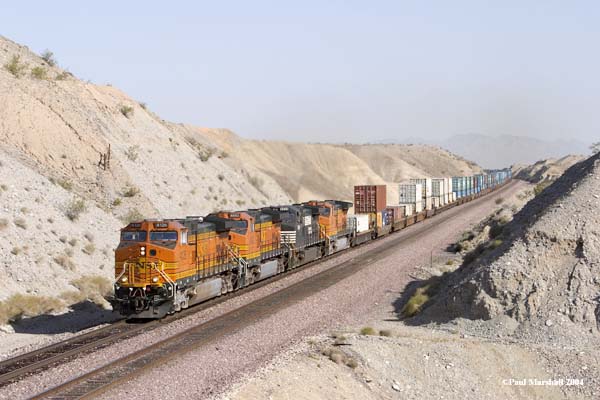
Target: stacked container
pixel 369 199
pixel 438 190
pixel 426 187
pixel 396 212
pixel 411 194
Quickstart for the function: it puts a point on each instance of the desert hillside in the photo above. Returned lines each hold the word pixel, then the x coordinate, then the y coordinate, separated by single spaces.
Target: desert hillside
pixel 545 170
pixel 56 187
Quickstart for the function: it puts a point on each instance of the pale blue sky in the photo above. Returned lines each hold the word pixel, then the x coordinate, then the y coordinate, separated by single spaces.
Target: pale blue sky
pixel 336 70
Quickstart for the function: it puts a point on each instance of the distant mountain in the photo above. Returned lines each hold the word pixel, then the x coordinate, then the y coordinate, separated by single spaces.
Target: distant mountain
pixel 501 151
pixel 505 150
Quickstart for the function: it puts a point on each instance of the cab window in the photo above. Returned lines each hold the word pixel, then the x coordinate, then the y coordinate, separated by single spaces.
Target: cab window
pixel 134 236
pixel 163 236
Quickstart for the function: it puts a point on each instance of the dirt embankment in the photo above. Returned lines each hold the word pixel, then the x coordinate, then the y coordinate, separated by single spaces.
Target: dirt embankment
pixel 54 128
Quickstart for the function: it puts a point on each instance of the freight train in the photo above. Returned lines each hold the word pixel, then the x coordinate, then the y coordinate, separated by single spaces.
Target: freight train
pixel 165 265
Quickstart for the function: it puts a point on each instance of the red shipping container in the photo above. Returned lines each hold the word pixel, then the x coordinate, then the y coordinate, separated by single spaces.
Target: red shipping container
pixel 397 212
pixel 369 199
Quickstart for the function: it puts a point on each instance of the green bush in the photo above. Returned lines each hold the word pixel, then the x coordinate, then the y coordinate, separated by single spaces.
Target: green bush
pixel 367 330
pixel 39 73
pixel 15 67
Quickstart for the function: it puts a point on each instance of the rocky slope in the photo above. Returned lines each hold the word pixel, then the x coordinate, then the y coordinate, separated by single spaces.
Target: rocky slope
pixel 545 273
pixel 545 170
pixel 55 128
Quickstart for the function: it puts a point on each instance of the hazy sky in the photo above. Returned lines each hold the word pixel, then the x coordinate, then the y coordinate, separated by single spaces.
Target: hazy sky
pixel 336 70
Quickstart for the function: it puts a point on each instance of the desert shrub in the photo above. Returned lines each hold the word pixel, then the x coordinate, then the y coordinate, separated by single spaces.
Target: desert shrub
pixel 65 261
pixel 473 254
pixel 73 242
pixel 221 177
pixel 367 330
pixel 90 287
pixel 26 305
pixel 3 223
pixel 223 154
pixel 69 252
pixel 15 251
pixel 24 210
pixel 89 237
pixel 351 362
pixel 15 67
pixel 39 73
pixel 63 76
pixel 131 216
pixel 495 243
pixel 450 262
pixel 240 202
pixel 539 188
pixel 63 239
pixel 499 200
pixel 48 56
pixel 20 222
pixel 75 208
pixel 132 152
pixel 127 111
pixel 204 153
pixel 255 181
pixel 143 105
pixel 385 332
pixel 416 302
pixel 117 202
pixel 130 191
pixel 50 220
pixel 89 249
pixel 65 184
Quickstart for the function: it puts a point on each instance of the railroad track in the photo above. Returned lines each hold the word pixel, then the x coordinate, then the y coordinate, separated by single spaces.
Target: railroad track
pixel 123 369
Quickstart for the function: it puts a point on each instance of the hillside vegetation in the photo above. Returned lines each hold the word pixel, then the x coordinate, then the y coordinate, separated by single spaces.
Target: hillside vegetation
pixel 63 203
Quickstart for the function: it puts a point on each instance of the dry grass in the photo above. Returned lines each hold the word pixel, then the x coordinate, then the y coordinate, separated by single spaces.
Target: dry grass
pixel 367 330
pixel 385 332
pixel 75 208
pixel 89 249
pixel 127 111
pixel 65 261
pixel 65 184
pixel 15 251
pixel 132 152
pixel 73 242
pixel 20 222
pixel 132 215
pixel 339 357
pixel 130 191
pixel 25 305
pixel 48 56
pixel 117 202
pixel 93 288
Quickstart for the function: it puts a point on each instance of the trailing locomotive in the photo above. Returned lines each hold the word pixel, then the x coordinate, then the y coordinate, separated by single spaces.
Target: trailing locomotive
pixel 163 266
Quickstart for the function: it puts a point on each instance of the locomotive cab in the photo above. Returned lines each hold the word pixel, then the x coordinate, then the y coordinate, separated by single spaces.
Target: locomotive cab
pixel 147 259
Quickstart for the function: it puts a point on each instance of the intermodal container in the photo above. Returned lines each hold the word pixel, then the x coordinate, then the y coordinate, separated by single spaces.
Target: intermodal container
pixel 396 212
pixel 369 198
pixel 425 185
pixel 410 193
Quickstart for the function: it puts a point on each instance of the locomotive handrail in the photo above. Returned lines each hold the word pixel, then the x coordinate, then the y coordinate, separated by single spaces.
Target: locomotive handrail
pixel 164 275
pixel 122 273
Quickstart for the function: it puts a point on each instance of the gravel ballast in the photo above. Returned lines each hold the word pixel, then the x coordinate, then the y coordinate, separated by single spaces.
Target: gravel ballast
pixel 212 369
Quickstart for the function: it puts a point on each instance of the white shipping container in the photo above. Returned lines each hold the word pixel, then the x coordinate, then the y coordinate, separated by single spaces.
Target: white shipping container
pixel 409 193
pixel 448 185
pixel 418 206
pixel 362 222
pixel 428 203
pixel 426 185
pixel 408 209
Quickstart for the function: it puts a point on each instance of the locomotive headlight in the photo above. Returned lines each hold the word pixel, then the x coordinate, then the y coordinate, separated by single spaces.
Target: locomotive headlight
pixel 143 250
pixel 124 279
pixel 155 279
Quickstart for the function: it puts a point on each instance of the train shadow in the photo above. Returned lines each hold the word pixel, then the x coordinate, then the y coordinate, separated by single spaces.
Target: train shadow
pixel 83 315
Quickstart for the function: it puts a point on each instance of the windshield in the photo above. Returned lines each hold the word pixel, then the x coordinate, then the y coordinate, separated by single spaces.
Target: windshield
pixel 133 236
pixel 163 236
